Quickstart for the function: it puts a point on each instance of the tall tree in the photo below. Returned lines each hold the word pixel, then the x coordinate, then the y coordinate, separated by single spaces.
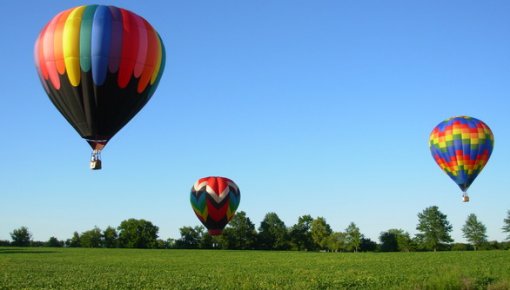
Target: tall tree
pixel 352 237
pixel 320 231
pixel 405 242
pixel 74 242
pixel 240 234
pixel 300 234
pixel 54 243
pixel 388 241
pixel 190 237
pixel 506 225
pixel 474 231
pixel 434 228
pixel 110 237
pixel 91 238
pixel 273 233
pixel 367 245
pixel 21 237
pixel 337 241
pixel 135 233
pixel 395 240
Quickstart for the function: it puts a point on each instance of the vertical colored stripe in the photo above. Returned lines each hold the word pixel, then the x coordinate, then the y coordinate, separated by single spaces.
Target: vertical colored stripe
pixel 86 36
pixel 457 145
pixel 116 41
pixel 485 145
pixel 36 54
pixel 43 75
pixel 72 45
pixel 159 60
pixel 48 53
pixel 160 70
pixel 150 60
pixel 129 48
pixel 101 36
pixel 39 54
pixel 57 40
pixel 143 46
pixel 468 146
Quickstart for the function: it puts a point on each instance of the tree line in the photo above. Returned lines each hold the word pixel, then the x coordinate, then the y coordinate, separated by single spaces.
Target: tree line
pixel 308 234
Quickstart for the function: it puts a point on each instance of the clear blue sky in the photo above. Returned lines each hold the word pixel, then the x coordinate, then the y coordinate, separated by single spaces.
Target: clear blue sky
pixel 311 107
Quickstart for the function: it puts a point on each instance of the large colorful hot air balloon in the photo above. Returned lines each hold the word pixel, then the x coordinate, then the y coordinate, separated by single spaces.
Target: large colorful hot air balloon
pixel 215 200
pixel 99 66
pixel 461 146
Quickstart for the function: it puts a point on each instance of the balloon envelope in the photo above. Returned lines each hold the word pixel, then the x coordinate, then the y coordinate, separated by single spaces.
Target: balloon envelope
pixel 215 200
pixel 99 66
pixel 461 146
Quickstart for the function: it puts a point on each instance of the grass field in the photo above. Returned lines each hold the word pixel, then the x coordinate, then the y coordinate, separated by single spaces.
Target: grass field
pixel 205 269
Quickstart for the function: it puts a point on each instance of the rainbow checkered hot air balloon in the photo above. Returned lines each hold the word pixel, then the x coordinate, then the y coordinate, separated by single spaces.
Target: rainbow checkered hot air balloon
pixel 99 66
pixel 461 146
pixel 215 200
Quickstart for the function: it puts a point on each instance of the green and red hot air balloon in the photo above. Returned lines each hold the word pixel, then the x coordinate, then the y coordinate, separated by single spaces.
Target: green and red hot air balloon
pixel 99 66
pixel 214 201
pixel 461 146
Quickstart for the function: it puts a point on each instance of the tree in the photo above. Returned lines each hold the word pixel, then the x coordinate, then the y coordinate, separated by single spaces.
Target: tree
pixel 388 242
pixel 170 243
pixel 161 244
pixel 434 227
pixel 21 237
pixel 419 243
pixel 37 244
pixel 474 231
pixel 405 242
pixel 190 237
pixel 352 237
pixel 506 226
pixel 395 240
pixel 337 241
pixel 135 233
pixel 110 237
pixel 91 238
pixel 273 233
pixel 367 245
pixel 493 245
pixel 240 234
pixel 54 242
pixel 74 242
pixel 206 240
pixel 300 234
pixel 320 231
pixel 461 247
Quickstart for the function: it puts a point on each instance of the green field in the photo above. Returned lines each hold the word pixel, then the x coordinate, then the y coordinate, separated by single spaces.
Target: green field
pixel 216 269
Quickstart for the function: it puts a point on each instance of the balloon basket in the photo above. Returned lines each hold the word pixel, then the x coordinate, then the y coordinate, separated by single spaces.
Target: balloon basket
pixel 465 197
pixel 95 164
pixel 95 160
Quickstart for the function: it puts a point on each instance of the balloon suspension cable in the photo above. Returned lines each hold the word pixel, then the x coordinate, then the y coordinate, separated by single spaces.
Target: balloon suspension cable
pixel 465 197
pixel 95 160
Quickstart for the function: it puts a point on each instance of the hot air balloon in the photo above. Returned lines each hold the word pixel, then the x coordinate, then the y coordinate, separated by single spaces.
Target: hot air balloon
pixel 99 65
pixel 461 146
pixel 215 200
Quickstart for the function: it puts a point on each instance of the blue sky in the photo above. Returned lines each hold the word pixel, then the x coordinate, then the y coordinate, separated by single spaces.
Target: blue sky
pixel 311 107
